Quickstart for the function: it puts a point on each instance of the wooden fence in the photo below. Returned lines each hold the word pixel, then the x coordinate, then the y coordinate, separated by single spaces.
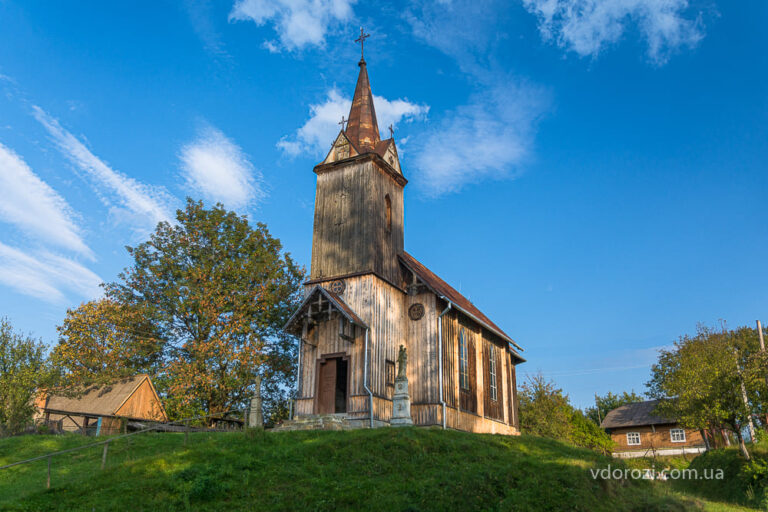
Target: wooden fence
pixel 223 425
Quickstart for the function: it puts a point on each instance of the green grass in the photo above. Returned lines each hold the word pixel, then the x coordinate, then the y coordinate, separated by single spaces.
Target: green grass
pixel 738 484
pixel 382 469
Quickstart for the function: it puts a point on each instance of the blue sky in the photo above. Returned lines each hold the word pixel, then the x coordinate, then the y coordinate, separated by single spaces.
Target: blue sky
pixel 592 174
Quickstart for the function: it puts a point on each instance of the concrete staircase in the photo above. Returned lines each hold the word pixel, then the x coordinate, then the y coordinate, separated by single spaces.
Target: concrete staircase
pixel 319 422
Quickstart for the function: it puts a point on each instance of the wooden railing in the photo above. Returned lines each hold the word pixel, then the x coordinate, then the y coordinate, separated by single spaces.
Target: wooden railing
pixel 182 425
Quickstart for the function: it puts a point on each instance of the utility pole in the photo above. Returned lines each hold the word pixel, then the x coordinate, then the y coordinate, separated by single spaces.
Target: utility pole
pixel 762 350
pixel 751 424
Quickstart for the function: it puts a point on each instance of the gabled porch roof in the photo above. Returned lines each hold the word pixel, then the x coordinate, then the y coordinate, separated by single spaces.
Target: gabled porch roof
pixel 317 307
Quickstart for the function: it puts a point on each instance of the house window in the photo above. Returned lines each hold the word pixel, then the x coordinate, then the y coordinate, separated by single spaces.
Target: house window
pixel 463 361
pixel 492 371
pixel 388 205
pixel 677 435
pixel 633 438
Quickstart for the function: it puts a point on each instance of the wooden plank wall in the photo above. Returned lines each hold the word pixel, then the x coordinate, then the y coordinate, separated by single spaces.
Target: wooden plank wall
pixel 350 229
pixel 378 304
pixel 501 413
pixel 142 404
pixel 493 408
pixel 385 307
pixel 423 366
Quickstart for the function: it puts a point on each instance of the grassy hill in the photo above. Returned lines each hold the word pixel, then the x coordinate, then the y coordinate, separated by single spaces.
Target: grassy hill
pixel 382 469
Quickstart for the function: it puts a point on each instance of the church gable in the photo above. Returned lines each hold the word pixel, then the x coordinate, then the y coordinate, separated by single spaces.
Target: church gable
pixel 386 149
pixel 341 149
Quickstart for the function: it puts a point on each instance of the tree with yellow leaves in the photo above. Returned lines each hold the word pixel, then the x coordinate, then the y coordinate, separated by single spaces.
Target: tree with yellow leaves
pixel 217 290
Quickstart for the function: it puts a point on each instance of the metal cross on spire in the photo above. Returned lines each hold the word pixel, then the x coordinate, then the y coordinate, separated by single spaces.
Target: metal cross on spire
pixel 391 132
pixel 342 122
pixel 361 40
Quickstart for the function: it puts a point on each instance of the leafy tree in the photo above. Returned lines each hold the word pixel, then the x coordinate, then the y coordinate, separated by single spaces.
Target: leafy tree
pixel 605 404
pixel 103 340
pixel 218 291
pixel 700 380
pixel 546 411
pixel 23 370
pixel 584 432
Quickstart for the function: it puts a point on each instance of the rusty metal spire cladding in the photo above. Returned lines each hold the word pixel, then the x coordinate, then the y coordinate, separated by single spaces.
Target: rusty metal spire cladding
pixel 362 127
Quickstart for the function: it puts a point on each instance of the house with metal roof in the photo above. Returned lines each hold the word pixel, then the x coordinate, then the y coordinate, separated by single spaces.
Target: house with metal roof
pixel 639 431
pixel 367 296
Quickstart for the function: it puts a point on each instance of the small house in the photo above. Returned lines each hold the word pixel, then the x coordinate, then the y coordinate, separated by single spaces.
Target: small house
pixel 639 432
pixel 101 410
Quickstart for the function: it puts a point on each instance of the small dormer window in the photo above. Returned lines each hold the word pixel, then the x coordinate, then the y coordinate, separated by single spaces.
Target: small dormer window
pixel 388 213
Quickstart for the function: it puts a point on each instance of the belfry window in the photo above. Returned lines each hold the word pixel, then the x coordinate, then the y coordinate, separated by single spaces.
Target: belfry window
pixel 388 213
pixel 463 361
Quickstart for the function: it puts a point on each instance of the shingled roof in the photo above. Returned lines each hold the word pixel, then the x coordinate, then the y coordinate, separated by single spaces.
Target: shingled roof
pixel 103 400
pixel 635 415
pixel 443 289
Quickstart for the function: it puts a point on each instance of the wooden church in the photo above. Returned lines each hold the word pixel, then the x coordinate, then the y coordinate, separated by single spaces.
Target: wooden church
pixel 366 297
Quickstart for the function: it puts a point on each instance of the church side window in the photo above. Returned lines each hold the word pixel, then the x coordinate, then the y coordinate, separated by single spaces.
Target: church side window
pixel 388 205
pixel 492 371
pixel 463 361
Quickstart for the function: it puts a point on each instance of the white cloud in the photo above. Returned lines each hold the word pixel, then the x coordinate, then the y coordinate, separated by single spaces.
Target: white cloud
pixel 298 23
pixel 588 26
pixel 33 206
pixel 490 136
pixel 317 134
pixel 139 204
pixel 218 169
pixel 46 276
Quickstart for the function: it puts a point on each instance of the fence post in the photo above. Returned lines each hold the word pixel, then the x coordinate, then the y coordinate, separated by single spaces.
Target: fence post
pixel 48 481
pixel 104 455
pixel 186 432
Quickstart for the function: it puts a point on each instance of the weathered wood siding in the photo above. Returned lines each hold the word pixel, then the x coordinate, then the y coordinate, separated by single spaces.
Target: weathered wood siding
pixel 498 416
pixel 494 408
pixel 350 229
pixel 142 404
pixel 656 437
pixel 423 365
pixel 379 305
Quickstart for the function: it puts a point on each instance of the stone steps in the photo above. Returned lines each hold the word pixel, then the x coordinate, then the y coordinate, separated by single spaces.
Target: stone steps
pixel 318 422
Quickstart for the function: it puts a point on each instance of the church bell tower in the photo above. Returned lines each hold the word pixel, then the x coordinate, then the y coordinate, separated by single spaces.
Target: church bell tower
pixel 358 225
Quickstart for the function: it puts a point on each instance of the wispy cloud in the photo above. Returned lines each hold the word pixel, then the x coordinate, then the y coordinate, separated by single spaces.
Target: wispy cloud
pixel 36 208
pixel 588 26
pixel 491 134
pixel 217 168
pixel 318 132
pixel 298 23
pixel 46 276
pixel 201 17
pixel 489 137
pixel 139 204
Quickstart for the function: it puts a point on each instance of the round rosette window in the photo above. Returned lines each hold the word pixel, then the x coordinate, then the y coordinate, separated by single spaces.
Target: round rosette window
pixel 416 311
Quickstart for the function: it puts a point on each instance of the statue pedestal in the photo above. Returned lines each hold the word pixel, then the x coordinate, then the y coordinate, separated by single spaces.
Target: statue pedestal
pixel 255 417
pixel 401 404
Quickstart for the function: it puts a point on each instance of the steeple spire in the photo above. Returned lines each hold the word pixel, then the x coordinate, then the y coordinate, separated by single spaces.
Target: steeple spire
pixel 362 127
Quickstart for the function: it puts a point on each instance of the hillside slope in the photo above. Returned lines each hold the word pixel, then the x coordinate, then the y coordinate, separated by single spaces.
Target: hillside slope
pixel 382 469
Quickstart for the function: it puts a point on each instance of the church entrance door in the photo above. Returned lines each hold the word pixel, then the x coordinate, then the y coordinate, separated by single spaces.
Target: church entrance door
pixel 332 378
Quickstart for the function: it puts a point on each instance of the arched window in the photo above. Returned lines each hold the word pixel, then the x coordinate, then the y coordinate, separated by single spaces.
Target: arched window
pixel 388 205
